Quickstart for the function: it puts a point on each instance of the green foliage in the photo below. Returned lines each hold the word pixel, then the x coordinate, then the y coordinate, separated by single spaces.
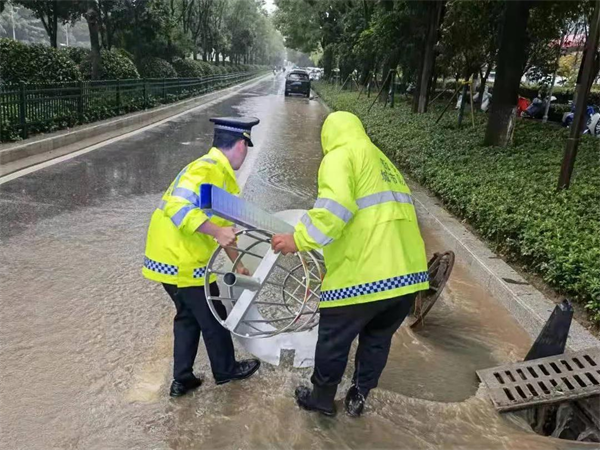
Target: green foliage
pixel 507 194
pixel 114 65
pixel 35 63
pixel 327 61
pixel 100 101
pixel 207 68
pixel 156 68
pixel 470 35
pixel 77 54
pixel 300 23
pixel 188 68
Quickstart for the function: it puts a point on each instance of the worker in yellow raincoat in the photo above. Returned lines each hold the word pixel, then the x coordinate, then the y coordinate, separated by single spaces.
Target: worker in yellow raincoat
pixel 181 239
pixel 365 221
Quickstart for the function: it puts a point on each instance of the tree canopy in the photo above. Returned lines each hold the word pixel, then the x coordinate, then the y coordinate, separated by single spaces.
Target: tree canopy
pixel 239 31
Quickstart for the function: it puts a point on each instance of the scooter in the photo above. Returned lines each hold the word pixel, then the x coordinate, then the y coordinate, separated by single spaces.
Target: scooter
pixel 593 125
pixel 537 108
pixel 567 118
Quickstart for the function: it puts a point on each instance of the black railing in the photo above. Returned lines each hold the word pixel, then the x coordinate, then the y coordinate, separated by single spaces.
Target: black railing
pixel 28 109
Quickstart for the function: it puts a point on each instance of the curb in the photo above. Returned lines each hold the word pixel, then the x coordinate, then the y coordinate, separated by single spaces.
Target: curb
pixel 20 155
pixel 530 308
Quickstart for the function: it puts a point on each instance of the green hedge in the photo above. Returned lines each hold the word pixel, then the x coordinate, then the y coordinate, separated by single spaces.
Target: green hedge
pixel 35 63
pixel 188 68
pixel 77 54
pixel 113 66
pixel 156 68
pixel 507 194
pixel 208 68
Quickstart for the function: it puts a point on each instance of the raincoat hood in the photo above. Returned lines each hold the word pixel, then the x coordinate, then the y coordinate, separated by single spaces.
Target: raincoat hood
pixel 341 128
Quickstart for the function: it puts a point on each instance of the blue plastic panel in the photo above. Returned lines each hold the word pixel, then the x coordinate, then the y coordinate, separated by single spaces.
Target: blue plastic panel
pixel 223 204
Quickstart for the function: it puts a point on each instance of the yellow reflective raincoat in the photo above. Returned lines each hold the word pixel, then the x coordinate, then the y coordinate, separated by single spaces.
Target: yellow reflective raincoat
pixel 364 219
pixel 175 252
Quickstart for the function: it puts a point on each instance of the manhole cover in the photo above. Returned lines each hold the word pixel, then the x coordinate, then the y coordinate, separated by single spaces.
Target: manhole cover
pixel 439 268
pixel 553 379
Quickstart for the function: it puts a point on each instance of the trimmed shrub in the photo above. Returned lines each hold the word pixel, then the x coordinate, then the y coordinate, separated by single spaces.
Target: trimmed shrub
pixel 217 70
pixel 35 63
pixel 156 68
pixel 77 54
pixel 205 67
pixel 188 68
pixel 507 194
pixel 113 66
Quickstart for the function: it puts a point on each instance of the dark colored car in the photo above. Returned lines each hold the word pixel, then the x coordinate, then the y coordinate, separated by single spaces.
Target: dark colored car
pixel 297 82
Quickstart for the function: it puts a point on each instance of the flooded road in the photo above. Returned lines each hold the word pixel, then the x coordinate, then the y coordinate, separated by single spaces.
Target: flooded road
pixel 85 341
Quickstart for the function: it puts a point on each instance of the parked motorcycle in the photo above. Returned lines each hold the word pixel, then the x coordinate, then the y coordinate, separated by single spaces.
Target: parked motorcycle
pixel 593 125
pixel 537 108
pixel 567 118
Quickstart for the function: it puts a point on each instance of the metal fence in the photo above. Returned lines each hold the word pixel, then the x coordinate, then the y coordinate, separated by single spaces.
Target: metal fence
pixel 28 109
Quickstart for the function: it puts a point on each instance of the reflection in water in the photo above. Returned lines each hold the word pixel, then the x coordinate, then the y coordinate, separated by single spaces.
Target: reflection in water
pixel 86 342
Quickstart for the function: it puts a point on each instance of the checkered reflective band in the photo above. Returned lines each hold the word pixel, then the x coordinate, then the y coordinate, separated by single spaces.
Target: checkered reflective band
pixel 199 272
pixel 375 286
pixel 155 266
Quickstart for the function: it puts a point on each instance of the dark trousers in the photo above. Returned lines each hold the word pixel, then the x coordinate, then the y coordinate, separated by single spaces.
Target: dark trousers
pixel 193 316
pixel 374 323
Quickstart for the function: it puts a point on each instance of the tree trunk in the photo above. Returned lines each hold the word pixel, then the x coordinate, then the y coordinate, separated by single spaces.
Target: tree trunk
pixel 417 91
pixel 428 66
pixel 54 25
pixel 390 64
pixel 107 25
pixel 367 67
pixel 595 70
pixel 483 83
pixel 588 73
pixel 92 20
pixel 511 62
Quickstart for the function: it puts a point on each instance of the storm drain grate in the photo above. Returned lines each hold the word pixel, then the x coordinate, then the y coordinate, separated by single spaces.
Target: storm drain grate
pixel 546 380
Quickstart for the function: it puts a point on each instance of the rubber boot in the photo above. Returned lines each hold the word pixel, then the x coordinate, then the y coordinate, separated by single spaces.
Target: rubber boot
pixel 319 399
pixel 355 401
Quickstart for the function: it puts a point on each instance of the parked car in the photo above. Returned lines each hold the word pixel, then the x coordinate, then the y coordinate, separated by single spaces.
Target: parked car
pixel 297 82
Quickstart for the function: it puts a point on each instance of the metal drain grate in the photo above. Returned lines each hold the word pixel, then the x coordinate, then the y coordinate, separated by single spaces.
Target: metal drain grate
pixel 546 380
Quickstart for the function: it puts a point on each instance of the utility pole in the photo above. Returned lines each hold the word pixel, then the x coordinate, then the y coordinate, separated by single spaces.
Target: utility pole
pixel 582 93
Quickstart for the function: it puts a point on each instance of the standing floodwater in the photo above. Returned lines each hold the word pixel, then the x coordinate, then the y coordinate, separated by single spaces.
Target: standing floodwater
pixel 85 341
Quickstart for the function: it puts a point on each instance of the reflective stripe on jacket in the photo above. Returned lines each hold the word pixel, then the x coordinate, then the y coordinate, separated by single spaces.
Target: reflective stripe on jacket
pixel 175 252
pixel 364 219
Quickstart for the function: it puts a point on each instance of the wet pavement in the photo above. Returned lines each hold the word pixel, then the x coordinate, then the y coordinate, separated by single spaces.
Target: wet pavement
pixel 85 341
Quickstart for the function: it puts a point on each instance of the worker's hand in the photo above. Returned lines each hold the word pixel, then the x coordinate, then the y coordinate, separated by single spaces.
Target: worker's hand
pixel 284 243
pixel 241 269
pixel 225 236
